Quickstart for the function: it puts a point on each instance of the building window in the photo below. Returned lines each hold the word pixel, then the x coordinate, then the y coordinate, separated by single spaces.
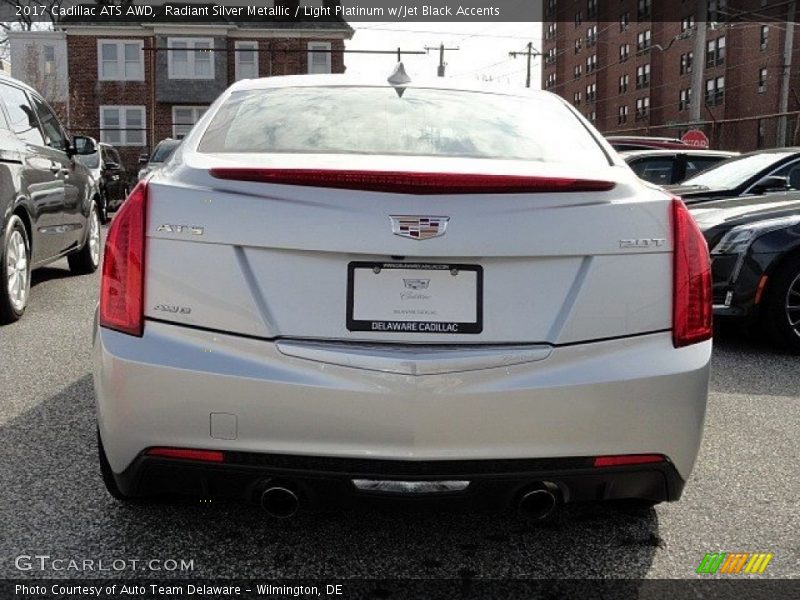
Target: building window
pixel 591 9
pixel 644 9
pixel 591 63
pixel 684 99
pixel 550 10
pixel 642 76
pixel 578 71
pixel 550 82
pixel 190 58
pixel 591 36
pixel 717 10
pixel 184 118
pixel 715 52
pixel 623 84
pixel 551 32
pixel 549 57
pixel 578 45
pixel 592 116
pixel 764 36
pixel 762 80
pixel 246 61
pixel 49 58
pixel 686 62
pixel 123 125
pixel 761 135
pixel 687 24
pixel 576 98
pixel 624 21
pixel 643 41
pixel 624 52
pixel 715 90
pixel 120 60
pixel 642 108
pixel 319 57
pixel 622 114
pixel 591 93
pixel 578 18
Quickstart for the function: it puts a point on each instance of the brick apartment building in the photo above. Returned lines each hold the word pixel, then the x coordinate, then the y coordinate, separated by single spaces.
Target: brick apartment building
pixel 134 84
pixel 627 65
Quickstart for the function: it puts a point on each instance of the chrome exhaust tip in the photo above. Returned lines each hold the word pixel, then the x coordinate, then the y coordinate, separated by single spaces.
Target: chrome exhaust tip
pixel 279 502
pixel 538 501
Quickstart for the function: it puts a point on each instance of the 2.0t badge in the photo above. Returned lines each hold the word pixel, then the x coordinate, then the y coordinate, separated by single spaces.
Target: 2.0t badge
pixel 418 227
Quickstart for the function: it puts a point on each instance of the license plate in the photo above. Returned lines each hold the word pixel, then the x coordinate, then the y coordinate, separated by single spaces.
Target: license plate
pixel 414 298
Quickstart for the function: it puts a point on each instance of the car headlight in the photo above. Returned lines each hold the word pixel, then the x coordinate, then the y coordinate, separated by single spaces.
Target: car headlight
pixel 738 239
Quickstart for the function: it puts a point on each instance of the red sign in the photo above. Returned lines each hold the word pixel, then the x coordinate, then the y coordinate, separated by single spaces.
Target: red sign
pixel 696 138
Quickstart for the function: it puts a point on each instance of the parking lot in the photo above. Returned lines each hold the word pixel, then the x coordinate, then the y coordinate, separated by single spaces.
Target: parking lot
pixel 742 497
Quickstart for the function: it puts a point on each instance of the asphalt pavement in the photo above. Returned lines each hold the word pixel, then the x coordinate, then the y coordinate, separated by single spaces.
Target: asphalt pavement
pixel 743 496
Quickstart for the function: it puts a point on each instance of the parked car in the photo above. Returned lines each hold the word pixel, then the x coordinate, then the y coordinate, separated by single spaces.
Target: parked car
pixel 48 200
pixel 748 174
pixel 111 176
pixel 755 251
pixel 622 143
pixel 392 308
pixel 160 155
pixel 665 167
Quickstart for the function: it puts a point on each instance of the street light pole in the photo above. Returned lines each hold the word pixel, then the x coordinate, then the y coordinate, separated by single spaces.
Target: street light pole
pixel 788 49
pixel 698 62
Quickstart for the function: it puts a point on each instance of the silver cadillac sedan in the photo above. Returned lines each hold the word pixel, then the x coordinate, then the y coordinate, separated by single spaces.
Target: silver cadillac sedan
pixel 341 289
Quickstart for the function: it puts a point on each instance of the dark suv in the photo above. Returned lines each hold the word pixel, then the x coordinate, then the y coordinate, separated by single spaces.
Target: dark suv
pixel 48 200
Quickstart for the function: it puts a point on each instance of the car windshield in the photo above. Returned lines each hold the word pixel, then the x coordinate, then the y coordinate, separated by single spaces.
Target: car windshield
pixel 734 172
pixel 91 161
pixel 413 122
pixel 163 151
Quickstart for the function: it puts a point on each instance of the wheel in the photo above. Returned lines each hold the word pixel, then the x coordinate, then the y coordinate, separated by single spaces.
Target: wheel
pixel 783 305
pixel 87 259
pixel 103 207
pixel 107 474
pixel 15 271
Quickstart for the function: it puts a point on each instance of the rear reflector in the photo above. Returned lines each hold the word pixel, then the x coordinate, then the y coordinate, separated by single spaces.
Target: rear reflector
pixel 122 284
pixel 627 459
pixel 691 294
pixel 188 454
pixel 414 183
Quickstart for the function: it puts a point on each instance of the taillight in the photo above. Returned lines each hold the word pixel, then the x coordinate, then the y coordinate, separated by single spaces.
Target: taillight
pixel 623 460
pixel 691 295
pixel 187 454
pixel 403 182
pixel 122 285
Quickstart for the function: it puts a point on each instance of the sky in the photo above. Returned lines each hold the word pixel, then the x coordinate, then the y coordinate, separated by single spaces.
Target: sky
pixel 483 53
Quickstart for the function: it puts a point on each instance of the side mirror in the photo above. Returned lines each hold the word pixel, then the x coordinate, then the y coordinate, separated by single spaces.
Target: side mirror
pixel 773 183
pixel 144 159
pixel 111 166
pixel 83 145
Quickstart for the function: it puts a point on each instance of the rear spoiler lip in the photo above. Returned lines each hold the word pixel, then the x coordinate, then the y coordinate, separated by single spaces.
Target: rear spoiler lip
pixel 413 182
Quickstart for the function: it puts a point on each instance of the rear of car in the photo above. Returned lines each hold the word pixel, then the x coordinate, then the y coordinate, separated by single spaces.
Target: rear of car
pixel 404 290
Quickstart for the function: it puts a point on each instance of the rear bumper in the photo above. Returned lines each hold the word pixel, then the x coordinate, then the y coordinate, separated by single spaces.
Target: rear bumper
pixel 188 388
pixel 328 482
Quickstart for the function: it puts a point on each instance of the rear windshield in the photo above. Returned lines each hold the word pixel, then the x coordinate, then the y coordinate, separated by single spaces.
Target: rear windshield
pixel 163 151
pixel 416 122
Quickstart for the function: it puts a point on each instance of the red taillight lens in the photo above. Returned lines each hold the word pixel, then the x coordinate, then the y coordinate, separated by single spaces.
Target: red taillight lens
pixel 691 295
pixel 122 285
pixel 627 459
pixel 414 183
pixel 188 454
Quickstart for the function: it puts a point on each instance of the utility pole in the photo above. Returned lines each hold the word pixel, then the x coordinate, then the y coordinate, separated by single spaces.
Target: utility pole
pixel 698 61
pixel 788 48
pixel 442 64
pixel 530 53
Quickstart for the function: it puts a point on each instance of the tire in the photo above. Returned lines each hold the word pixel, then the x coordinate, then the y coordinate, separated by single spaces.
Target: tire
pixel 782 316
pixel 15 271
pixel 87 259
pixel 103 207
pixel 108 475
